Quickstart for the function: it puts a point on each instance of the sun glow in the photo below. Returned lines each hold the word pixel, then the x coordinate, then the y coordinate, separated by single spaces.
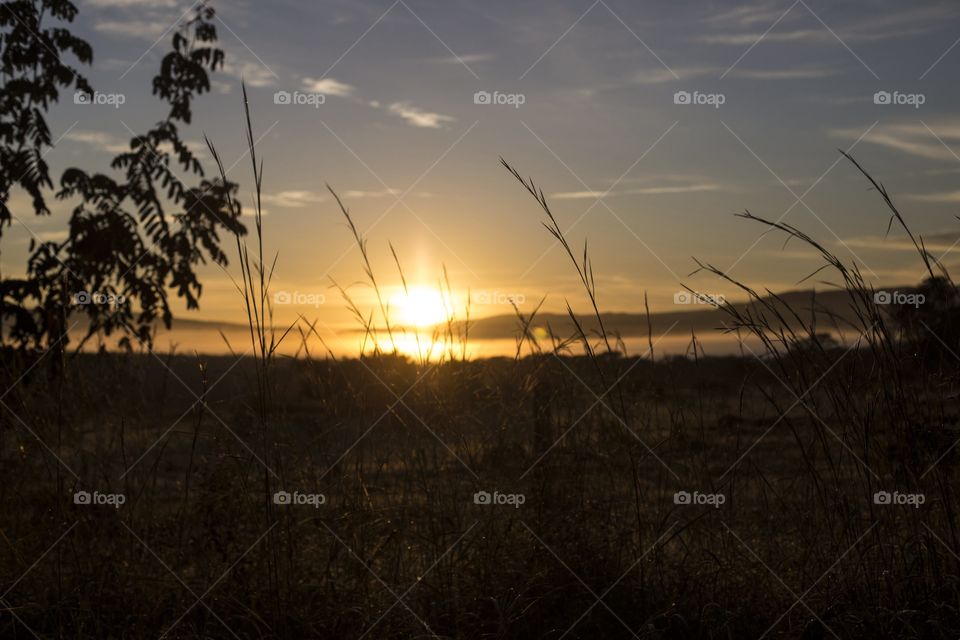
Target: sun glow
pixel 420 307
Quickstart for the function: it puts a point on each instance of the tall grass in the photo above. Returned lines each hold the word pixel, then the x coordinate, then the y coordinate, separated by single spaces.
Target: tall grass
pixel 256 277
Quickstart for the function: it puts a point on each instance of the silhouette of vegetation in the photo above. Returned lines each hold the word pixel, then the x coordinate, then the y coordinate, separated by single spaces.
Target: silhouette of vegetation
pixel 929 318
pixel 32 73
pixel 130 239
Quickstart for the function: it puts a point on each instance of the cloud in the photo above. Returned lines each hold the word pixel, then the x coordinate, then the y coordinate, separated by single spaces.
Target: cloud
pixel 126 4
pixel 902 24
pixel 783 74
pixel 99 139
pixel 355 193
pixel 293 199
pixel 253 74
pixel 298 198
pixel 577 195
pixel 884 26
pixel 53 236
pixel 941 241
pixel 939 171
pixel 466 59
pixel 413 115
pixel 220 86
pixel 810 36
pixel 639 191
pixel 328 86
pixel 198 148
pixel 943 196
pixel 746 39
pixel 659 75
pixel 913 139
pixel 417 117
pixel 748 15
pixel 42 236
pixel 143 19
pixel 143 29
pixel 113 144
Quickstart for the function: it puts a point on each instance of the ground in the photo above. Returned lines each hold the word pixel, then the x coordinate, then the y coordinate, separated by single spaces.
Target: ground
pixel 547 497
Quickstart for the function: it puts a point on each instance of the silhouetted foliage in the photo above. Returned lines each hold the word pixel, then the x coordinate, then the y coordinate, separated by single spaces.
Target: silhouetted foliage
pixel 129 239
pixel 32 72
pixel 930 318
pixel 816 341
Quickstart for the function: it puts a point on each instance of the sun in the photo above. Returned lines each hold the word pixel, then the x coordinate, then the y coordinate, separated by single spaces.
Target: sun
pixel 420 307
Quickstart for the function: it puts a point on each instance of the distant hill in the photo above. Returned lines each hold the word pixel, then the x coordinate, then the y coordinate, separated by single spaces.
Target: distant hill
pixel 828 308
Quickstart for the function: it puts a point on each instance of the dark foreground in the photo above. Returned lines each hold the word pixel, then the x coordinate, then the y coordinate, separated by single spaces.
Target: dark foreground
pixel 797 497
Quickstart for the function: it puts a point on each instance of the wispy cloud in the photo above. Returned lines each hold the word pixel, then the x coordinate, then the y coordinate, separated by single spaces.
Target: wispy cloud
pixel 42 236
pixel 136 4
pixel 899 24
pixel 111 143
pixel 411 114
pixel 784 74
pixel 746 39
pixel 942 196
pixel 139 19
pixel 329 87
pixel 142 29
pixel 417 117
pixel 99 139
pixel 382 193
pixel 639 191
pixel 294 199
pixel 659 75
pixel 749 15
pixel 889 26
pixel 252 73
pixel 911 138
pixel 655 76
pixel 470 58
pixel 941 241
pixel 299 198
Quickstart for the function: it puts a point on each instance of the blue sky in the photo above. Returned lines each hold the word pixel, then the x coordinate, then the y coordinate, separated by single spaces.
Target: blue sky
pixel 650 182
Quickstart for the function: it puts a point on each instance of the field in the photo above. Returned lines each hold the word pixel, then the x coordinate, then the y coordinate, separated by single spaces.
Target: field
pixel 596 544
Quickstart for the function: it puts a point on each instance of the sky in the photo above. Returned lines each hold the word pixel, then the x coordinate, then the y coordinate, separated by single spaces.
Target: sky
pixel 648 125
